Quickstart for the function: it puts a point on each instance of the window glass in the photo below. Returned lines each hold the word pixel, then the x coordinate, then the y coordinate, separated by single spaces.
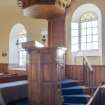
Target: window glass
pixel 95 30
pixel 85 33
pixel 22 53
pixel 83 25
pixel 22 58
pixel 95 45
pixel 75 40
pixel 95 38
pixel 83 39
pixel 83 46
pixel 74 25
pixel 74 32
pixel 89 38
pixel 89 46
pixel 89 24
pixel 89 31
pixel 90 41
pixel 74 48
pixel 94 23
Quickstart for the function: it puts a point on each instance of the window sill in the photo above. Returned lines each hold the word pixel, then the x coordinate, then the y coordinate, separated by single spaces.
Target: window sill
pixel 18 68
pixel 92 53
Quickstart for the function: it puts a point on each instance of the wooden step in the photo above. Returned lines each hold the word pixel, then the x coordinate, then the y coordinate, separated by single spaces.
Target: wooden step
pixel 77 99
pixel 75 90
pixel 71 83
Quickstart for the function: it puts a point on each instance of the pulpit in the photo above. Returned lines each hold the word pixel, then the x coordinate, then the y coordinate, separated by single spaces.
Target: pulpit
pixel 46 69
pixel 44 9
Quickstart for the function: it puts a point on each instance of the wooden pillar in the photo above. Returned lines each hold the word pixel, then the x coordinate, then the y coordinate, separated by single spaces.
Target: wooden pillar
pixel 56 32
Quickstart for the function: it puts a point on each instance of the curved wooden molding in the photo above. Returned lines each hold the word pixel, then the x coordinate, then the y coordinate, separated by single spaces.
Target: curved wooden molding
pixel 28 3
pixel 44 11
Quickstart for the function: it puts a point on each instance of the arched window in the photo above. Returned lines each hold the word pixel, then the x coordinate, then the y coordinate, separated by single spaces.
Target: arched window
pixel 85 33
pixel 89 32
pixel 17 55
pixel 21 52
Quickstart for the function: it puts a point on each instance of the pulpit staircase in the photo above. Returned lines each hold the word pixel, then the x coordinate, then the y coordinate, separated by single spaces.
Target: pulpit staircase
pixel 74 92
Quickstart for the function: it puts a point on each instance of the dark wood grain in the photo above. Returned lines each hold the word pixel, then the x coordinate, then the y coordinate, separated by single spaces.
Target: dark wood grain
pixel 56 32
pixel 12 77
pixel 3 68
pixel 44 74
pixel 76 72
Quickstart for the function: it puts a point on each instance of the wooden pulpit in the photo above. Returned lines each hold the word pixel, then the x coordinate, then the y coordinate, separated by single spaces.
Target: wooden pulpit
pixel 46 69
pixel 44 9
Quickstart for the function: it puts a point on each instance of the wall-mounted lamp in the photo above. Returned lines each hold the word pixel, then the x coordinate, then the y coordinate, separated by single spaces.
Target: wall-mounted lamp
pixel 44 36
pixel 17 43
pixel 20 3
pixel 4 53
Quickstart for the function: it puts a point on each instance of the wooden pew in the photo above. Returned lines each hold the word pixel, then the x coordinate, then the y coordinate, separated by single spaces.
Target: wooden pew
pixel 13 91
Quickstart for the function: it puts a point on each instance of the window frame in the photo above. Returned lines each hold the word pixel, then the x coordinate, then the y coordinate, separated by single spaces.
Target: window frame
pixel 20 49
pixel 88 52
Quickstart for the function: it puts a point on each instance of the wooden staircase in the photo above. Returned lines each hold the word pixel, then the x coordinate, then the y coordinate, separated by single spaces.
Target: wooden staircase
pixel 74 93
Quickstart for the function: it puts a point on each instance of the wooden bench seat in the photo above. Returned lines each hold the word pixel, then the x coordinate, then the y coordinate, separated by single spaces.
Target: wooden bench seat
pixel 13 91
pixel 12 77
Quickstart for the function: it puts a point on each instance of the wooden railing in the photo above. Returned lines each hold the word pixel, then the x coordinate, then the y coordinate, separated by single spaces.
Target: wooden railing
pixel 75 72
pixel 96 98
pixel 88 76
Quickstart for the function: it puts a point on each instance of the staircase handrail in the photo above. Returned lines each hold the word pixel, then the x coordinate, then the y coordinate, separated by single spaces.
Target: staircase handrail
pixel 89 65
pixel 95 96
pixel 88 74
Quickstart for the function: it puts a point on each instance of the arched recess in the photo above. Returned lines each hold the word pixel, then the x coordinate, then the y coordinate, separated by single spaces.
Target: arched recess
pixel 18 35
pixel 94 56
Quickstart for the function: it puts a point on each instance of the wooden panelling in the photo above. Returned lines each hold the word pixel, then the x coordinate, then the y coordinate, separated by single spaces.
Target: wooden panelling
pixel 15 71
pixel 99 73
pixel 3 68
pixel 56 32
pixel 76 72
pixel 10 77
pixel 44 74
